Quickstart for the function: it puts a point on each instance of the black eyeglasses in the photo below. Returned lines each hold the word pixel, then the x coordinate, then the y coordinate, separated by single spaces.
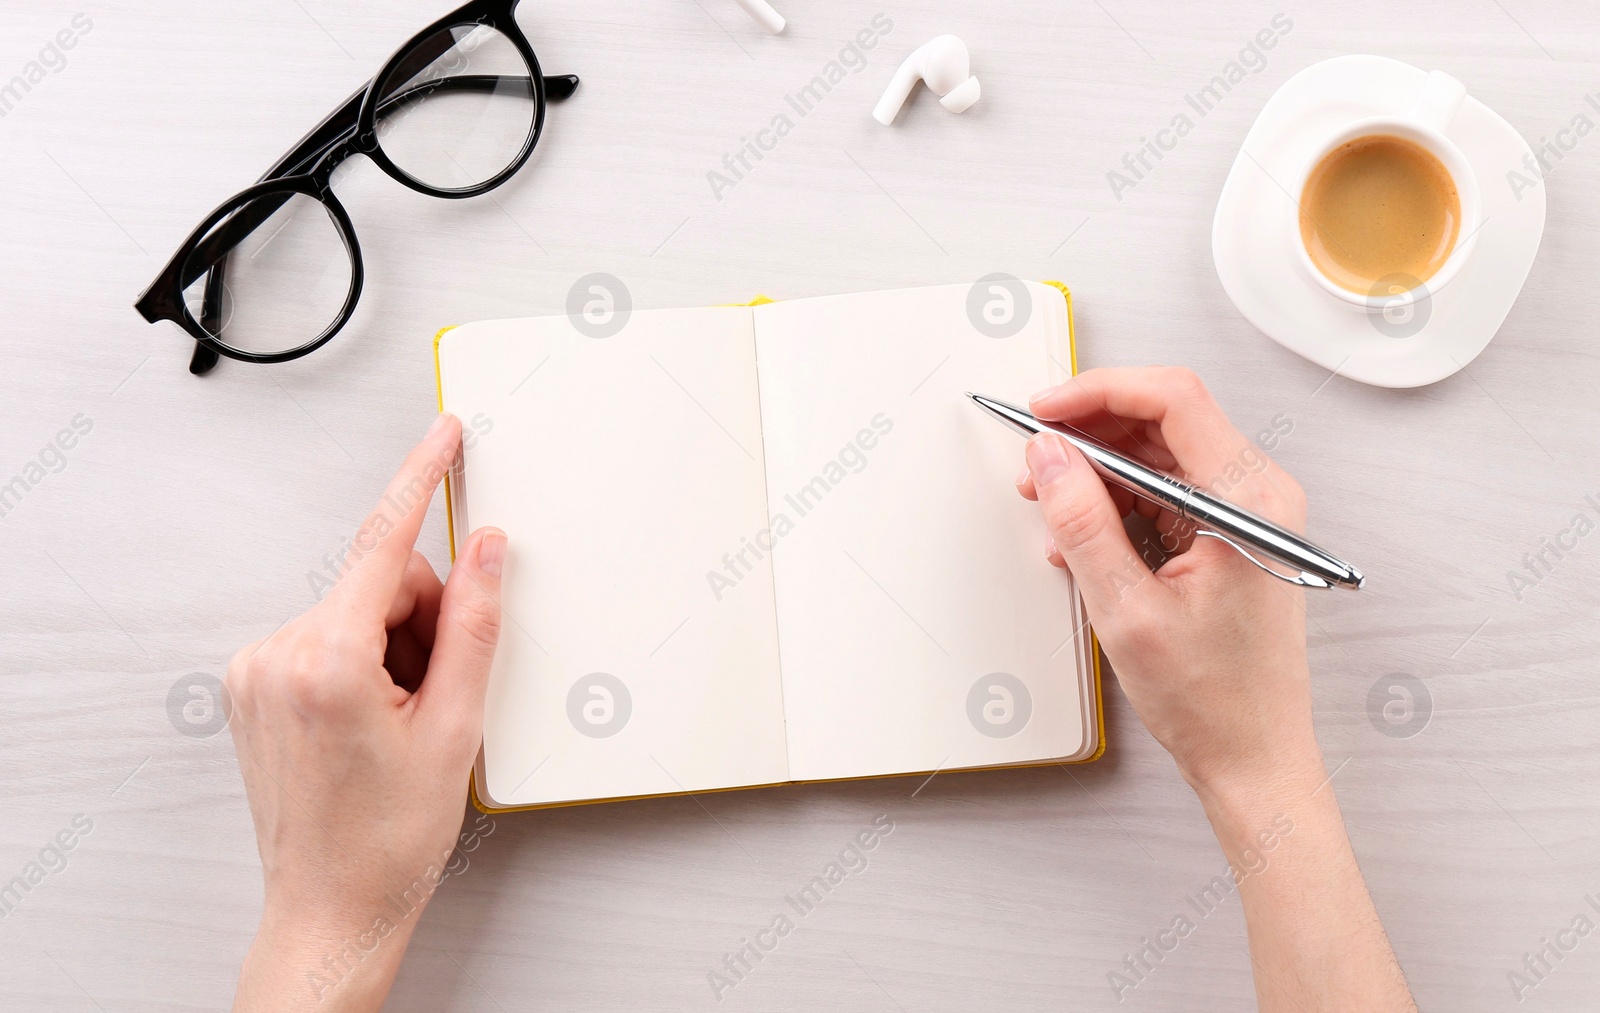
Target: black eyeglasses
pixel 275 270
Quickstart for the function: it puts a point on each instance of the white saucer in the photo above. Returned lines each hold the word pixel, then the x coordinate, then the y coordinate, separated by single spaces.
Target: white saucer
pixel 1255 213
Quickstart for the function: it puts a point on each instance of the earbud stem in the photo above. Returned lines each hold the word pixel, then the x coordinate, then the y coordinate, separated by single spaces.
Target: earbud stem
pixel 765 16
pixel 898 91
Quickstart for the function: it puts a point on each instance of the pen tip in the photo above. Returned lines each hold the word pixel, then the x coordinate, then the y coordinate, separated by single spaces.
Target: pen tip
pixel 972 395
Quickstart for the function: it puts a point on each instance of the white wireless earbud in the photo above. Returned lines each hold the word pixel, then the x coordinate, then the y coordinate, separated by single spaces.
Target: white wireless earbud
pixel 762 11
pixel 943 63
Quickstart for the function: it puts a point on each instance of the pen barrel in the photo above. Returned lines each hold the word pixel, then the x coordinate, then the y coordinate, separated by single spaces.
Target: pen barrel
pixel 1276 541
pixel 1207 511
pixel 1145 482
pixel 1233 524
pixel 1123 472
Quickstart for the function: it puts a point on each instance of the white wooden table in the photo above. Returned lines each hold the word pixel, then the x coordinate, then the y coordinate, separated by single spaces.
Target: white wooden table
pixel 185 522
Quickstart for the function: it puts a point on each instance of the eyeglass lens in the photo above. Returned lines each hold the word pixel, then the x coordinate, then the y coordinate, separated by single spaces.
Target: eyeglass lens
pixel 283 284
pixel 462 118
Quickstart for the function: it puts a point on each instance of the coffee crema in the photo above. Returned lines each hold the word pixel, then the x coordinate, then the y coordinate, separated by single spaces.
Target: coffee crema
pixel 1379 206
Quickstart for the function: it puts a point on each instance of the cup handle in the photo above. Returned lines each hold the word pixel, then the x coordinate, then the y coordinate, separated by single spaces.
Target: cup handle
pixel 1436 105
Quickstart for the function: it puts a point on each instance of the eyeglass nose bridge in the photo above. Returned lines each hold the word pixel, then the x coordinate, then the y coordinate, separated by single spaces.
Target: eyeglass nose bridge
pixel 321 171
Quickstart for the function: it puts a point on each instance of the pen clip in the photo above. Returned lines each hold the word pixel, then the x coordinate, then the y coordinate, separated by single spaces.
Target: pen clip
pixel 1303 580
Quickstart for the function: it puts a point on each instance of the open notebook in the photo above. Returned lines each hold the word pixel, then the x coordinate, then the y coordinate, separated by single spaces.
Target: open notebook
pixel 759 544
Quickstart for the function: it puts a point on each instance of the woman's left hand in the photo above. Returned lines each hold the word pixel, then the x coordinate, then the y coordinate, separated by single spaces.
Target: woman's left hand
pixel 356 726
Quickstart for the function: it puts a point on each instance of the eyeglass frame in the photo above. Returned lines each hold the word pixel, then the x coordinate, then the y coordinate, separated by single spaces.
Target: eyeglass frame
pixel 351 129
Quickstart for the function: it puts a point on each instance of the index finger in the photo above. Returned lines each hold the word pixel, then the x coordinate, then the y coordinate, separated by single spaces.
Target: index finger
pixel 1197 433
pixel 378 554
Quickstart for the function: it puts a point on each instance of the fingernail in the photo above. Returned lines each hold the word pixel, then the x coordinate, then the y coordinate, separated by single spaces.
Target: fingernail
pixel 492 553
pixel 1042 394
pixel 438 423
pixel 1047 458
pixel 1022 476
pixel 1049 545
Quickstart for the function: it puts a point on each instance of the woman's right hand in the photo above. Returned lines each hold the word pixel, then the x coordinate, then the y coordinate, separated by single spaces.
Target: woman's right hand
pixel 1210 651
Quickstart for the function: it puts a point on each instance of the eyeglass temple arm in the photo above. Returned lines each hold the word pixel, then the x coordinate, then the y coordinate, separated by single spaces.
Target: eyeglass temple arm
pixel 321 151
pixel 340 125
pixel 320 154
pixel 327 146
pixel 205 357
pixel 435 46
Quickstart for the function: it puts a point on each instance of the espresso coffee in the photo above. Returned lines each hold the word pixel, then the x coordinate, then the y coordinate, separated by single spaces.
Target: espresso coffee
pixel 1379 206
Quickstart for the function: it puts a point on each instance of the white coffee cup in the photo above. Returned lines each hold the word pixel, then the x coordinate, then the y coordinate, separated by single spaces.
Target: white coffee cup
pixel 1422 124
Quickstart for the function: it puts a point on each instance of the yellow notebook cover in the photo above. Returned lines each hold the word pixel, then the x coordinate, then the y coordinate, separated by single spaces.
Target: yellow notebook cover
pixel 1097 695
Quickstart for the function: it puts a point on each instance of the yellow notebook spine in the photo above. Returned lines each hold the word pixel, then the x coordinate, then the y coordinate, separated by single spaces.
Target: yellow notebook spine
pixel 449 499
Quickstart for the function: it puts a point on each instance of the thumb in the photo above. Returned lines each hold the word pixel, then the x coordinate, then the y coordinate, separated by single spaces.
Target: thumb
pixel 469 628
pixel 1085 528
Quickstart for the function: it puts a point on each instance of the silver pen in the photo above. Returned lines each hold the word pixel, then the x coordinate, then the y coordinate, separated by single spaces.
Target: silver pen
pixel 1213 517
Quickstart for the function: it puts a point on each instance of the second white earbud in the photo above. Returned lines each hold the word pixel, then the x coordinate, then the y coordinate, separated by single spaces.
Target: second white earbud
pixel 941 62
pixel 762 11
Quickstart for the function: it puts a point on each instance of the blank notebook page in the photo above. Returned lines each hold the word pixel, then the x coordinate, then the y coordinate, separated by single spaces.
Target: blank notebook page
pixel 910 568
pixel 624 468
